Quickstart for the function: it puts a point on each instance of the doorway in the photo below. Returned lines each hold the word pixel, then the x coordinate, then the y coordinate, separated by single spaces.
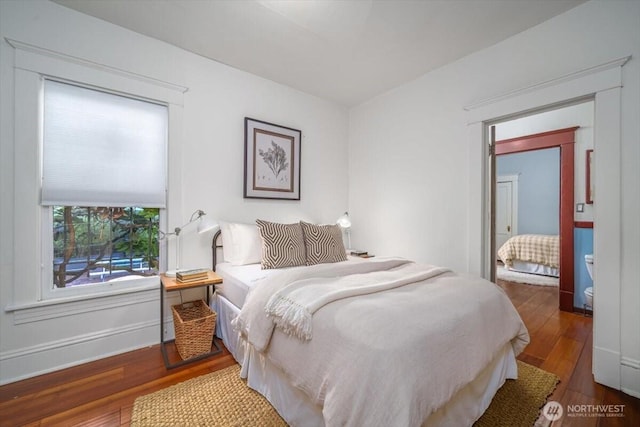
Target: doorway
pixel 541 160
pixel 564 139
pixel 602 83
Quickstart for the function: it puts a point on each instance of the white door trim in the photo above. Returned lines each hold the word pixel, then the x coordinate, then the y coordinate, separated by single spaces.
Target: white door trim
pixel 604 83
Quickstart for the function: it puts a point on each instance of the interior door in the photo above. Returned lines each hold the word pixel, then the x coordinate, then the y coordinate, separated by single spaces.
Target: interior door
pixel 504 212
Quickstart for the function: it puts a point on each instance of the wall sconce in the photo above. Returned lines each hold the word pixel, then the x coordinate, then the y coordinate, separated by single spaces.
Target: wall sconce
pixel 204 225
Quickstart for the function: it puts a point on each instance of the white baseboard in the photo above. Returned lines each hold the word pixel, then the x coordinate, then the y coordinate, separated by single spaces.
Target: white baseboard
pixel 606 367
pixel 630 370
pixel 620 373
pixel 36 360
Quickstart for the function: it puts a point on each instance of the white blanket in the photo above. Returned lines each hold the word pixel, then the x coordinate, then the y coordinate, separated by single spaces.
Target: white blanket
pixel 391 357
pixel 254 324
pixel 292 307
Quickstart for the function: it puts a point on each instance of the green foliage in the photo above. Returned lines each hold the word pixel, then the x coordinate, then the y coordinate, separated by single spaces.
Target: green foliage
pixel 100 234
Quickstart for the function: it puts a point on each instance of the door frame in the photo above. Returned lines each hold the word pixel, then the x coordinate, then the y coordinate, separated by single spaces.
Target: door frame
pixel 603 83
pixel 564 139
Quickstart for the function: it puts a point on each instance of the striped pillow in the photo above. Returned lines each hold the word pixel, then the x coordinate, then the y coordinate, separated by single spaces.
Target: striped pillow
pixel 323 243
pixel 282 245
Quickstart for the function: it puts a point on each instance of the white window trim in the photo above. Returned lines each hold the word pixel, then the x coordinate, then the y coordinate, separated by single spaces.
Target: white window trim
pixel 33 286
pixel 71 305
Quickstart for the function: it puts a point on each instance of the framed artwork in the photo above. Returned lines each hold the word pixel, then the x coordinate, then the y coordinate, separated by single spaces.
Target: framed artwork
pixel 590 190
pixel 271 161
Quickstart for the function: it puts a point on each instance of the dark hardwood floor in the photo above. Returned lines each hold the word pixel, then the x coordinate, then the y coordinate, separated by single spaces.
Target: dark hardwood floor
pixel 562 343
pixel 102 393
pixel 99 393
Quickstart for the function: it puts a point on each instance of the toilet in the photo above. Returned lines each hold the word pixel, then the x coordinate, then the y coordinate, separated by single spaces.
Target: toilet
pixel 588 293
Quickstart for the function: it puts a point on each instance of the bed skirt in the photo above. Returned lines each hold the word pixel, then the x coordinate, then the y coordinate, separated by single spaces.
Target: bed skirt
pixel 533 268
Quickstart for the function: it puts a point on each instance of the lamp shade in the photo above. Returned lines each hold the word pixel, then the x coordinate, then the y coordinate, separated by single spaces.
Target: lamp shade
pixel 344 221
pixel 206 224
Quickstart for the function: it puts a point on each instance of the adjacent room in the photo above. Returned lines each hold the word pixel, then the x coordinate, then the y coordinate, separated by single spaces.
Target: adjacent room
pixel 528 199
pixel 317 212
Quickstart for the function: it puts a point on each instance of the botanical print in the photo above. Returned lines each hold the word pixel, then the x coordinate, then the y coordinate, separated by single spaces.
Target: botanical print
pixel 271 161
pixel 272 170
pixel 275 158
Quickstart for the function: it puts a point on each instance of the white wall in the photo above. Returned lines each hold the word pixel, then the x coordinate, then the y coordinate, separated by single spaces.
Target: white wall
pixel 409 151
pixel 206 170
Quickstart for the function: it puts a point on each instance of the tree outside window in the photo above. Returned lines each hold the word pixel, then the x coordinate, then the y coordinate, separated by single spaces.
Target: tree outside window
pixel 99 244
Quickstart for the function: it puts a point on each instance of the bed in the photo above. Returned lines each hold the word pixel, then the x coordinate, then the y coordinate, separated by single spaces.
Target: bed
pixel 532 253
pixel 385 341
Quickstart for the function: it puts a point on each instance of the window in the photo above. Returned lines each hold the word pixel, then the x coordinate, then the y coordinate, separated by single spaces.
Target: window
pixel 103 184
pixel 97 244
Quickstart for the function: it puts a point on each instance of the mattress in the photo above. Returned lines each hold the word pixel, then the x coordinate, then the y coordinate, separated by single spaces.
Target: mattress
pixel 237 280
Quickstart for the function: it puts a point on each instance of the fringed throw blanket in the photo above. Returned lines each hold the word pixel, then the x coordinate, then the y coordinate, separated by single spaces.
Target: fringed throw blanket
pixel 254 322
pixel 293 306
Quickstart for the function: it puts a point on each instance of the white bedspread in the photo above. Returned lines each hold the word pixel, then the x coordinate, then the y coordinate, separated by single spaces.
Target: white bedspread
pixel 359 369
pixel 293 306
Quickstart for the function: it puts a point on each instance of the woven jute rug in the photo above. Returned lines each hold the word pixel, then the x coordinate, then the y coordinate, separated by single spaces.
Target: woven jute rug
pixel 518 402
pixel 223 399
pixel 220 398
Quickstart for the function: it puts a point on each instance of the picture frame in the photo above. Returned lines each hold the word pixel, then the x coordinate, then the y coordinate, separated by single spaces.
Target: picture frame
pixel 590 188
pixel 271 161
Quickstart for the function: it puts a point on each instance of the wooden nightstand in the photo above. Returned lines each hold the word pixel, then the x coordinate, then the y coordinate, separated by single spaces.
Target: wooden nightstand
pixel 170 284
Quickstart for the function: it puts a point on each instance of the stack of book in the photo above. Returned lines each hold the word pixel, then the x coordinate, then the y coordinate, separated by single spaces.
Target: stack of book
pixel 361 254
pixel 196 275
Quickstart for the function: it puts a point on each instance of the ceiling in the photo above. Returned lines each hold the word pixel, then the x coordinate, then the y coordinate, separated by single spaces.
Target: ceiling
pixel 345 51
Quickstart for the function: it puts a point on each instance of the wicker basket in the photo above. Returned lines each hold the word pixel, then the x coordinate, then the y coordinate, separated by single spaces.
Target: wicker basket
pixel 194 323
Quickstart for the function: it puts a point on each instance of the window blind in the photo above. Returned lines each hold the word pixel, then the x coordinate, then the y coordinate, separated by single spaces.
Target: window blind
pixel 102 149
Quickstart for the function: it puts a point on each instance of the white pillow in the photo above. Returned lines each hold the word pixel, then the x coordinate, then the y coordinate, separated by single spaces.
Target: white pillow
pixel 227 246
pixel 244 242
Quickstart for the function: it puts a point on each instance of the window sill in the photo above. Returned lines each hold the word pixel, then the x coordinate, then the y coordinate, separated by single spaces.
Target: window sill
pixel 68 306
